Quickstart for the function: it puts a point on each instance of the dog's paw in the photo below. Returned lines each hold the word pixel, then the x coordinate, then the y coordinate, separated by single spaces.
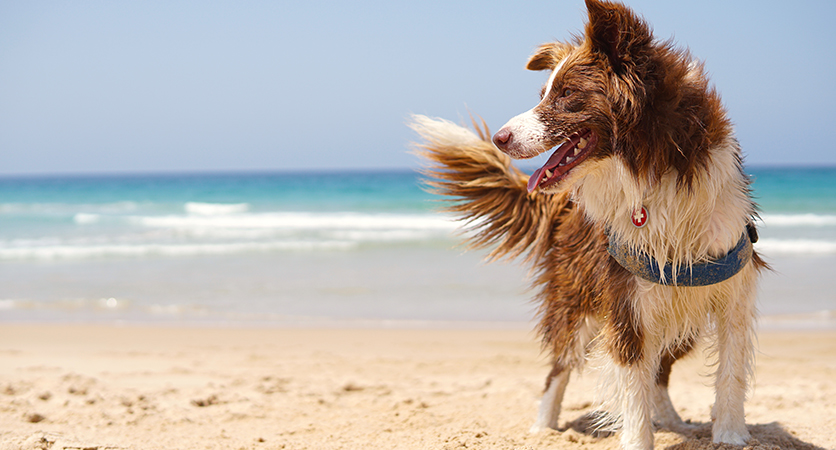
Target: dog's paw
pixel 730 437
pixel 536 428
pixel 539 427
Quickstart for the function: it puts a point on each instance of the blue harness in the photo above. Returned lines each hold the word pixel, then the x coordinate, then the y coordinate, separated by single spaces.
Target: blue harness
pixel 642 265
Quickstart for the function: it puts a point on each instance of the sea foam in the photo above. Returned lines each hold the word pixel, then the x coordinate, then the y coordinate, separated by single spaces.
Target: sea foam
pixel 217 229
pixel 70 252
pixel 215 209
pixel 86 218
pixel 304 220
pixel 796 247
pixel 798 220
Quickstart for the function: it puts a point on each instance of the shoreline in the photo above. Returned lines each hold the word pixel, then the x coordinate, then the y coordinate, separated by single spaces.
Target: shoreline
pixel 136 386
pixel 824 320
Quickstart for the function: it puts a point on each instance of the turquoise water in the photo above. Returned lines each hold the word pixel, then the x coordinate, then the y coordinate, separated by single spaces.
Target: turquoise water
pixel 796 191
pixel 290 248
pixel 798 210
pixel 356 191
pixel 81 217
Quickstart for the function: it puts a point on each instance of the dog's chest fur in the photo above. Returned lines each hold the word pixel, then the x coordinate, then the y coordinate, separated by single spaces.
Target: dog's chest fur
pixel 685 225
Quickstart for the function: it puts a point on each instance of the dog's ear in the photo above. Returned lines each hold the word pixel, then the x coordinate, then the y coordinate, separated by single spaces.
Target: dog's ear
pixel 618 33
pixel 548 56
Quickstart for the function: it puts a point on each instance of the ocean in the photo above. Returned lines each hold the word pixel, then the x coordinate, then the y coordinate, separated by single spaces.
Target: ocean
pixel 323 249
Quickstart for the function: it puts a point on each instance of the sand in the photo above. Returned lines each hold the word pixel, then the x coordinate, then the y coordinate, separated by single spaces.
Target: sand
pixel 100 387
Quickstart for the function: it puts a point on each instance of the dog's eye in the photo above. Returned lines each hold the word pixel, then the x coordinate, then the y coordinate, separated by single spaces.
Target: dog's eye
pixel 567 92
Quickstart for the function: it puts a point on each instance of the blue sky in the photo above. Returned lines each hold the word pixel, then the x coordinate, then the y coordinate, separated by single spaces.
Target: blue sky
pixel 109 87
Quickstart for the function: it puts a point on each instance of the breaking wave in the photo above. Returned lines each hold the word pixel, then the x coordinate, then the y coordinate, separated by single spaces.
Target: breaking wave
pixel 798 220
pixel 796 247
pixel 216 229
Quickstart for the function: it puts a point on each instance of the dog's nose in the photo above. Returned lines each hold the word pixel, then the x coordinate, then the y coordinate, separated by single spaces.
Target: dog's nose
pixel 502 138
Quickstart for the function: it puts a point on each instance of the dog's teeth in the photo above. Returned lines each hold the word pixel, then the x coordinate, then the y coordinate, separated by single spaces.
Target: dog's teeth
pixel 548 174
pixel 577 151
pixel 581 144
pixel 569 160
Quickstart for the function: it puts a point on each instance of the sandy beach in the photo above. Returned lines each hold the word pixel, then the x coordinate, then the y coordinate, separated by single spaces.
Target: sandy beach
pixel 100 387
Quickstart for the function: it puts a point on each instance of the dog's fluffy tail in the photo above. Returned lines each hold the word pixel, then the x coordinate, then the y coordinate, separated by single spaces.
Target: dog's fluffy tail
pixel 485 190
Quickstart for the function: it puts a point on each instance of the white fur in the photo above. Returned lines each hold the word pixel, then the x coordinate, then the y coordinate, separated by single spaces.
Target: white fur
pixel 552 77
pixel 636 405
pixel 683 227
pixel 549 410
pixel 442 132
pixel 528 131
pixel 735 358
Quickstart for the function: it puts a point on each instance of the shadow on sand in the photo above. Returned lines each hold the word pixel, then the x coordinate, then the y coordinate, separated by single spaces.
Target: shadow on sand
pixel 697 436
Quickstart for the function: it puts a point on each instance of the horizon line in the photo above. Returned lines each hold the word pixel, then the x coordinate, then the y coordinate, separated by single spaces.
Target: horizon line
pixel 304 171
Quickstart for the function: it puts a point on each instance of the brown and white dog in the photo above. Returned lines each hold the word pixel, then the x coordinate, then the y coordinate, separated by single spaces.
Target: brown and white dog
pixel 643 159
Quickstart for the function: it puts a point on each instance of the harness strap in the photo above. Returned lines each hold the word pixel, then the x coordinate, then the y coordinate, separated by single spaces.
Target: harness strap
pixel 642 265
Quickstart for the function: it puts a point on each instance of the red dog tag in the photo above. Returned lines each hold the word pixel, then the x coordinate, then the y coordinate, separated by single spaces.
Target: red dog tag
pixel 640 217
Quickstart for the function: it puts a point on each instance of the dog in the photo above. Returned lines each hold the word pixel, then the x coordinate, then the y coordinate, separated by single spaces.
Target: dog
pixel 638 226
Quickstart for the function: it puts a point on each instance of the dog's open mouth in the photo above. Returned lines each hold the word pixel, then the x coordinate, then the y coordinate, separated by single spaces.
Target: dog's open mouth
pixel 564 159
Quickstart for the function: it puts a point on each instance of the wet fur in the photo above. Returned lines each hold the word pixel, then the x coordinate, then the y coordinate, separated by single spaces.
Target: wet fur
pixel 663 142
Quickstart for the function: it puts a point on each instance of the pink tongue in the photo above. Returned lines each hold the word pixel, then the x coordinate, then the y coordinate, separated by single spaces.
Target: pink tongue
pixel 534 181
pixel 552 163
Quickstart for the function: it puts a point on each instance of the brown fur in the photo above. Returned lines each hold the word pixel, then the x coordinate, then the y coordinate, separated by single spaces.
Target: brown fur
pixel 482 184
pixel 663 122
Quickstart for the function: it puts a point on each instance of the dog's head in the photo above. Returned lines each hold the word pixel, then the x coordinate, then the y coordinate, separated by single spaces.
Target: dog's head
pixel 604 92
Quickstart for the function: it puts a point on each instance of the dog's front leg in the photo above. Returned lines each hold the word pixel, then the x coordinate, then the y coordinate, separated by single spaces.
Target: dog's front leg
pixel 735 323
pixel 637 383
pixel 636 361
